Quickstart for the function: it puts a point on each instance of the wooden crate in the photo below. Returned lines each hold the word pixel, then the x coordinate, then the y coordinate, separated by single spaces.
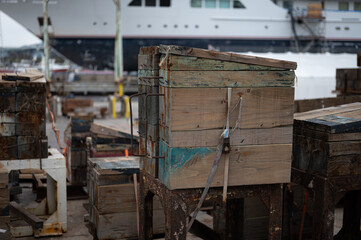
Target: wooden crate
pixel 22 116
pixel 327 141
pixel 348 81
pixel 193 111
pixel 112 198
pixel 75 134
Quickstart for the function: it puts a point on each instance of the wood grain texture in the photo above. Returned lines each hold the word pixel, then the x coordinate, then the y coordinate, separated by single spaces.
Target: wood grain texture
pixel 225 79
pixel 313 104
pixel 249 165
pixel 196 52
pixel 344 148
pixel 123 225
pixel 328 111
pixel 206 108
pixel 119 198
pixel 211 138
pixel 185 63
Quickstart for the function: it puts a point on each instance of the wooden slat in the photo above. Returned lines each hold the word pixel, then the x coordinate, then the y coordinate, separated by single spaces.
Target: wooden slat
pixel 210 138
pixel 185 63
pixel 328 111
pixel 223 79
pixel 117 198
pixel 255 164
pixel 31 219
pixel 196 52
pixel 123 225
pixel 206 108
pixel 312 104
pixel 344 148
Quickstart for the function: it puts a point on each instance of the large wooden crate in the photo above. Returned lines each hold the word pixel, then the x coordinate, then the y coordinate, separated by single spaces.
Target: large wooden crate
pixel 22 117
pixel 112 199
pixel 327 141
pixel 193 85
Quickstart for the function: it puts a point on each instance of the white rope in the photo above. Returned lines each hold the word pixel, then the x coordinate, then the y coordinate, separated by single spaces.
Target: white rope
pixel 166 56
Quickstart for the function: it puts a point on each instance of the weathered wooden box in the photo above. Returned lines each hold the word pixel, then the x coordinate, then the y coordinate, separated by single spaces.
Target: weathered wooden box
pixel 22 118
pixel 327 142
pixel 348 81
pixel 193 84
pixel 112 198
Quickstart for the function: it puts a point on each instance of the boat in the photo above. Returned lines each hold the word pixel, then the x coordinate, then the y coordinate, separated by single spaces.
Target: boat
pixel 84 30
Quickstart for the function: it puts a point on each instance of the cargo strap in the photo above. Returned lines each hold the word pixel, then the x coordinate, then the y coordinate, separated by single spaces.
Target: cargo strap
pixel 223 147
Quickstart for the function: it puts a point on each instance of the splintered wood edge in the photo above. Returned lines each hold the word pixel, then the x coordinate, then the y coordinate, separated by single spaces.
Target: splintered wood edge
pixel 233 57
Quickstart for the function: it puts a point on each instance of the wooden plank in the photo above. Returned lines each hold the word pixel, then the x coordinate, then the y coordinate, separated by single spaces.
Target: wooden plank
pixel 22 76
pixel 185 63
pixel 116 165
pixel 206 108
pixel 344 148
pixel 249 165
pixel 328 111
pixel 7 100
pixel 118 198
pixel 209 138
pixel 312 104
pixel 325 136
pixel 30 124
pixel 148 62
pixel 9 149
pixel 344 165
pixel 110 128
pixel 196 52
pixel 225 79
pixel 4 179
pixel 7 124
pixel 123 225
pixel 31 219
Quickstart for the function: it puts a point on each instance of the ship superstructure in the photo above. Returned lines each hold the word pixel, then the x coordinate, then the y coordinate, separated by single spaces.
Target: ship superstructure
pixel 84 30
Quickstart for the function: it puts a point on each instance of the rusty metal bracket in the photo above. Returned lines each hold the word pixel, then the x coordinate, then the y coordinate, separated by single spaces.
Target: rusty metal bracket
pixel 131 122
pixel 146 130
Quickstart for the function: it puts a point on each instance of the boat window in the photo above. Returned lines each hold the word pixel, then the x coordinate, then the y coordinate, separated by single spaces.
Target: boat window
pixel 135 3
pixel 224 4
pixel 343 6
pixel 238 4
pixel 150 3
pixel 165 3
pixel 357 6
pixel 210 3
pixel 196 3
pixel 288 4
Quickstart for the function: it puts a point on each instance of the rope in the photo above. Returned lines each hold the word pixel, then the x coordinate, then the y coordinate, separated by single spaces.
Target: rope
pixel 56 131
pixel 166 57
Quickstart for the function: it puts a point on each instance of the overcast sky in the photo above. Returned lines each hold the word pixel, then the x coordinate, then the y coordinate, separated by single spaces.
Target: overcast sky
pixel 13 34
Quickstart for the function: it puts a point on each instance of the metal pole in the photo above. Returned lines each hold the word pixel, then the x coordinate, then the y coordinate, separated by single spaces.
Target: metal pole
pixel 118 56
pixel 46 39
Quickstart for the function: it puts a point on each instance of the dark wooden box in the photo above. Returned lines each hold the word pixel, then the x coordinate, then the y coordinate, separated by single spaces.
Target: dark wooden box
pixel 327 142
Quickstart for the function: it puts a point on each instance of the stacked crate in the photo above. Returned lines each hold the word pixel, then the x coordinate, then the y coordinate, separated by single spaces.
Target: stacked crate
pixel 327 141
pixel 112 212
pixel 348 81
pixel 193 104
pixel 75 136
pixel 111 142
pixel 22 118
pixel 4 205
